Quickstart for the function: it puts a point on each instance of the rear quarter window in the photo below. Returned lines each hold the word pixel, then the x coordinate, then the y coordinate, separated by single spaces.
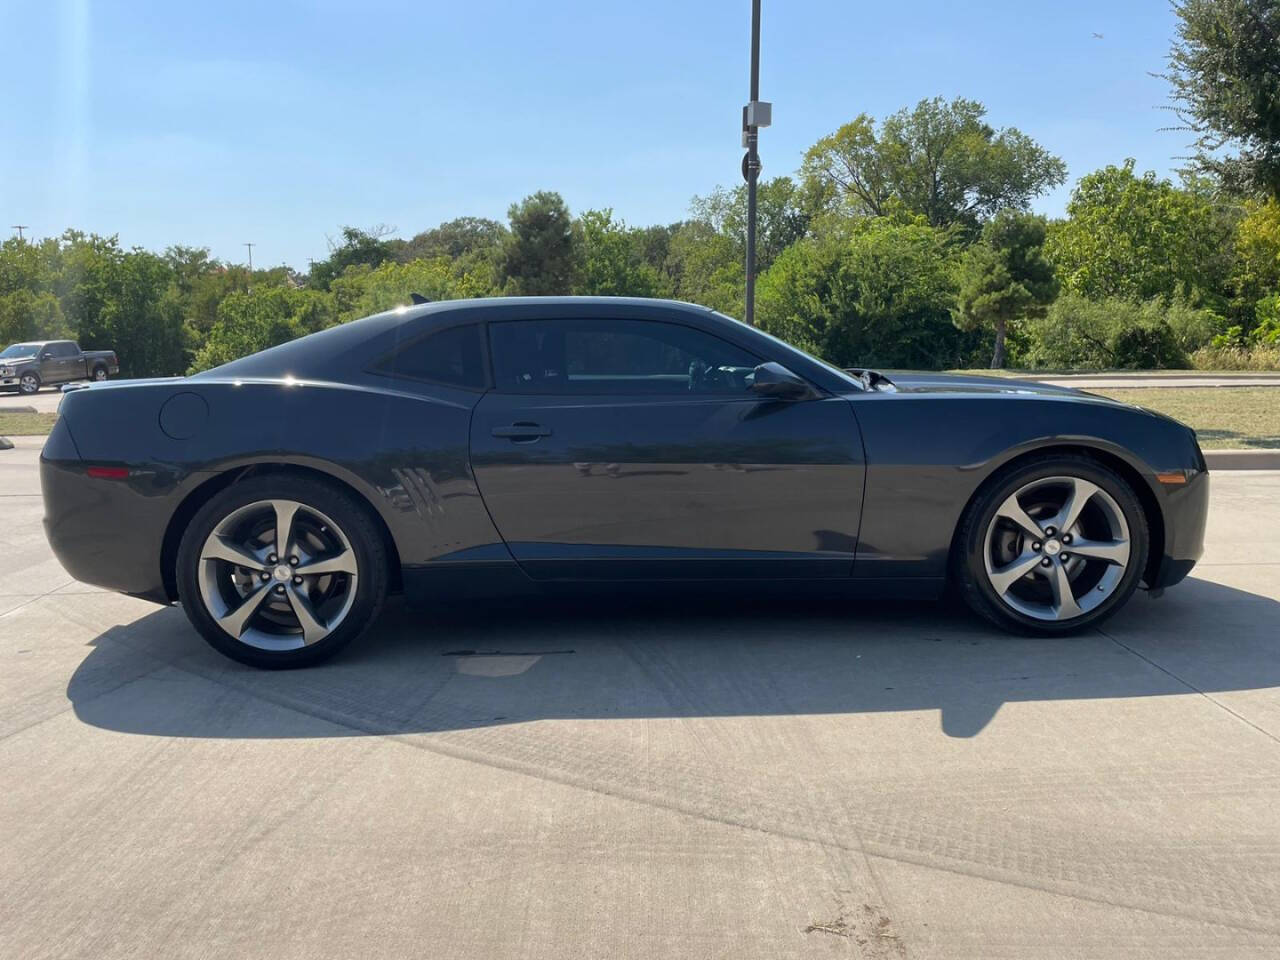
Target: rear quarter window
pixel 453 357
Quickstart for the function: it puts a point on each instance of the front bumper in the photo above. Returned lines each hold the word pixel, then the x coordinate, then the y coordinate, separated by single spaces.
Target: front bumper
pixel 1186 512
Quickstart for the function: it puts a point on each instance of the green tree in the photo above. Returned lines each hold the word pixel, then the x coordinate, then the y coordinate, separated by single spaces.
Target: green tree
pixel 1005 278
pixel 361 291
pixel 706 267
pixel 611 259
pixel 1255 278
pixel 874 293
pixel 252 321
pixel 1139 237
pixel 940 160
pixel 87 283
pixel 1224 67
pixel 454 239
pixel 1115 332
pixel 355 248
pixel 539 251
pixel 141 319
pixel 25 315
pixel 783 213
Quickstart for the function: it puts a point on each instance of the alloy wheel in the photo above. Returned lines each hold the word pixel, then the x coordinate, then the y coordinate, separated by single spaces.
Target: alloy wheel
pixel 1057 548
pixel 277 575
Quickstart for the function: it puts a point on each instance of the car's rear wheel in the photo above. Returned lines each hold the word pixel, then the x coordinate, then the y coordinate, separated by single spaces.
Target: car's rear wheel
pixel 99 372
pixel 282 571
pixel 28 384
pixel 1052 546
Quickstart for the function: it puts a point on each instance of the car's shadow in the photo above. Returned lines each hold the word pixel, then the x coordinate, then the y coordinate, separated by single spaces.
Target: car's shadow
pixel 442 669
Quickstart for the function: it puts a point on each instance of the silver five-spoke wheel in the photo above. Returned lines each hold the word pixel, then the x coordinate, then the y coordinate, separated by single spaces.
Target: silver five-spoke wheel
pixel 1057 548
pixel 277 575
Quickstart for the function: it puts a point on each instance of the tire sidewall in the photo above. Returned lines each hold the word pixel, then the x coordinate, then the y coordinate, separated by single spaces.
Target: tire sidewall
pixel 974 574
pixel 352 517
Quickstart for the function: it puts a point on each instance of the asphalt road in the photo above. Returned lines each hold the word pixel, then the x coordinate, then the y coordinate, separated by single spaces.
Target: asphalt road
pixel 740 779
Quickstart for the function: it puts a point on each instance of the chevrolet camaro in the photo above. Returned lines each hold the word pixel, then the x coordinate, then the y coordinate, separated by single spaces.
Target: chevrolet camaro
pixel 470 449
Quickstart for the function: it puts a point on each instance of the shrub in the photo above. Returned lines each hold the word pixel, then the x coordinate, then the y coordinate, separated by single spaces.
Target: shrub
pixel 1259 356
pixel 1116 334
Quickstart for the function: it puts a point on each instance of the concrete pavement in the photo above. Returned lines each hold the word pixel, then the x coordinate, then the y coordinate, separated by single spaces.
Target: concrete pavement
pixel 725 779
pixel 46 401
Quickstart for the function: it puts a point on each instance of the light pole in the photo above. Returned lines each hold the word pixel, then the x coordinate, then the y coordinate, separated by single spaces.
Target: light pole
pixel 20 227
pixel 755 114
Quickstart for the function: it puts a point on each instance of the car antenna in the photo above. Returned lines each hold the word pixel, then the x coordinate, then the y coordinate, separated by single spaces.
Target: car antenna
pixel 418 298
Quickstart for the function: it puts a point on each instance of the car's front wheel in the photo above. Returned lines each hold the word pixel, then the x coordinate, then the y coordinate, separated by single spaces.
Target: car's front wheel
pixel 28 384
pixel 282 571
pixel 1052 546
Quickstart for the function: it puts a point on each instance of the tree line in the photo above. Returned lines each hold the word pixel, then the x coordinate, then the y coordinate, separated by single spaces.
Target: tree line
pixel 903 242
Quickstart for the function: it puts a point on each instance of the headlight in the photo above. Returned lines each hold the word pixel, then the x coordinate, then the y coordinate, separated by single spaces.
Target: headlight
pixel 6 371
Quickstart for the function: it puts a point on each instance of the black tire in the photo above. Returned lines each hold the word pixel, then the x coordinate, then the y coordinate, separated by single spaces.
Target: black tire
pixel 29 384
pixel 970 558
pixel 352 516
pixel 98 373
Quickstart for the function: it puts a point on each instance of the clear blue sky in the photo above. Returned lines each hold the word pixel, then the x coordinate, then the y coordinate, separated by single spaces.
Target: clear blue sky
pixel 277 122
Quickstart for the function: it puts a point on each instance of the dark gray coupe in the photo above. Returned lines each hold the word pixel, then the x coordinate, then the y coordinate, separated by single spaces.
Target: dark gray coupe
pixel 459 449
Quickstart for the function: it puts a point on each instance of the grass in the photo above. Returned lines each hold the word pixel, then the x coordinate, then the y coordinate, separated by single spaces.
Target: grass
pixel 14 424
pixel 1222 417
pixel 1050 374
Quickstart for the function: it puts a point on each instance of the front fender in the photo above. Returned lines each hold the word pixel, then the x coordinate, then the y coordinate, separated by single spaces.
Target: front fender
pixel 927 455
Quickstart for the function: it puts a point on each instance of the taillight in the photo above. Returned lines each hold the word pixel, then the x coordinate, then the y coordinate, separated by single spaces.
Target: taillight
pixel 108 473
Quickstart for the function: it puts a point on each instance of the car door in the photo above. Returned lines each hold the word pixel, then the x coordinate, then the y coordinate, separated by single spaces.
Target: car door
pixel 634 449
pixel 55 362
pixel 75 368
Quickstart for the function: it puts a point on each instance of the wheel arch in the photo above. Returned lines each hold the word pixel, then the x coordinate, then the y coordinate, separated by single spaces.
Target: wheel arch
pixel 1130 473
pixel 211 487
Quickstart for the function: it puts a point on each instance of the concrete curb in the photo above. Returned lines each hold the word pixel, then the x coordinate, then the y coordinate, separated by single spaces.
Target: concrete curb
pixel 1242 459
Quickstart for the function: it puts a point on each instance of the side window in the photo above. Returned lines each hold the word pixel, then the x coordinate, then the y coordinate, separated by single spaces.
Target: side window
pixel 452 356
pixel 618 357
pixel 64 349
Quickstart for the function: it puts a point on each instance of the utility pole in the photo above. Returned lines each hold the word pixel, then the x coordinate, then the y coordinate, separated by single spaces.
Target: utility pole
pixel 755 114
pixel 248 284
pixel 20 227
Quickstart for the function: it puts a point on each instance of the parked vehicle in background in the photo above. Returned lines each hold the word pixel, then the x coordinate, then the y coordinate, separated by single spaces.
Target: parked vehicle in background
pixel 30 366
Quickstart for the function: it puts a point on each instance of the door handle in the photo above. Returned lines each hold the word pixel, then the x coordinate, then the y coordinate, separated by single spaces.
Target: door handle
pixel 523 432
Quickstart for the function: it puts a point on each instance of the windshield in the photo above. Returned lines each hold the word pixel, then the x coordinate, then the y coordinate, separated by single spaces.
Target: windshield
pixel 19 350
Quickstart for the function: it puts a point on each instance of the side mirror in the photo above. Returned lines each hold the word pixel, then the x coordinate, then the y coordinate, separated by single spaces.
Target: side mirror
pixel 46 355
pixel 775 381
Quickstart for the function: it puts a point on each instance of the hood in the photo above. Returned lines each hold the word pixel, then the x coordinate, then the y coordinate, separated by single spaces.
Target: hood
pixel 14 361
pixel 915 382
pixel 953 385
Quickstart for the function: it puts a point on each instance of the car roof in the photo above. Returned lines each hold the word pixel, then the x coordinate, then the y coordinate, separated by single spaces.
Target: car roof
pixel 548 303
pixel 338 352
